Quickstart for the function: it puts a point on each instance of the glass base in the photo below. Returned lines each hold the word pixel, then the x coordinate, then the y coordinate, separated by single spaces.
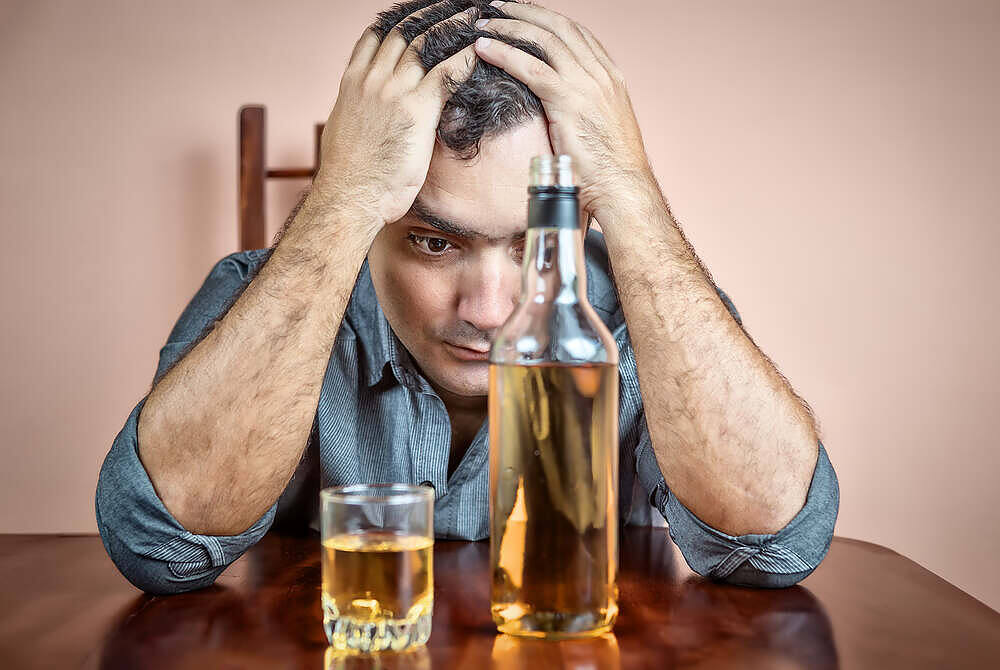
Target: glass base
pixel 557 625
pixel 414 658
pixel 347 633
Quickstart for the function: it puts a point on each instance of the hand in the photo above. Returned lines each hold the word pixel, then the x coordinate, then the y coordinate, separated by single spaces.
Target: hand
pixel 377 144
pixel 583 93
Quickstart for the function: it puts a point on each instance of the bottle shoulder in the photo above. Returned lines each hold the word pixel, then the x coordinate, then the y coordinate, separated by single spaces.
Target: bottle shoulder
pixel 554 332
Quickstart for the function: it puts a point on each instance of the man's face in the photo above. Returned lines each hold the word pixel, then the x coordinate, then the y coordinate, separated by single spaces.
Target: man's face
pixel 447 274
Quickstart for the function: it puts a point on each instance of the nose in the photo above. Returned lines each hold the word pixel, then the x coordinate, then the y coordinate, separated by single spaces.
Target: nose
pixel 489 292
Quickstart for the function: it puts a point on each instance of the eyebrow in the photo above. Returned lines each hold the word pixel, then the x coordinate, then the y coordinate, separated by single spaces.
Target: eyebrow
pixel 420 211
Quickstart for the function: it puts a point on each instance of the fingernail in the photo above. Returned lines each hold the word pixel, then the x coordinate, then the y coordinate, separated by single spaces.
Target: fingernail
pixel 482 22
pixel 483 42
pixel 497 3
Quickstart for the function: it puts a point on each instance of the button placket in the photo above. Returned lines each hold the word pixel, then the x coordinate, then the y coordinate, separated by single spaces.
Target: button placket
pixel 432 444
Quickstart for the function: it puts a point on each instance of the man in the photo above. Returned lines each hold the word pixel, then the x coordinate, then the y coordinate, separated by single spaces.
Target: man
pixel 353 351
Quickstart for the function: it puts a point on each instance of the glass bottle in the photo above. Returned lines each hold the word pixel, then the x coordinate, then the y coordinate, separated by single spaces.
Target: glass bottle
pixel 553 418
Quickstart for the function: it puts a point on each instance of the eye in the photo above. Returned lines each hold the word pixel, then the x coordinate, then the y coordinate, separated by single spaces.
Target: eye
pixel 432 246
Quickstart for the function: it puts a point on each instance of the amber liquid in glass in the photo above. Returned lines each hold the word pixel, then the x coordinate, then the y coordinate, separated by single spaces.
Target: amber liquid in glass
pixel 378 590
pixel 554 428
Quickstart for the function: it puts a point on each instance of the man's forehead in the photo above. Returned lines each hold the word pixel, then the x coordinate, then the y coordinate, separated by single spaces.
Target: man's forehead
pixel 484 197
pixel 467 227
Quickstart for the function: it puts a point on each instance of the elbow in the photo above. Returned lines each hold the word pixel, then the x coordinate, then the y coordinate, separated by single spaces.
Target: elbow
pixel 771 560
pixel 748 575
pixel 151 575
pixel 147 545
pixel 159 581
pixel 783 560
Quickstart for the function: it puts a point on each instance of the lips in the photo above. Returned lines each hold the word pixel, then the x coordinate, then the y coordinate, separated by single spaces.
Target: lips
pixel 478 351
pixel 467 353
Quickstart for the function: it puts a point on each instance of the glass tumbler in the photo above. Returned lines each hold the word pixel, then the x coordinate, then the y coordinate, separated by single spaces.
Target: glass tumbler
pixel 378 566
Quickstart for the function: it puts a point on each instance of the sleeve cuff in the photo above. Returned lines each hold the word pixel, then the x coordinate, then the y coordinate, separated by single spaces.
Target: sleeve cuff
pixel 149 546
pixel 776 559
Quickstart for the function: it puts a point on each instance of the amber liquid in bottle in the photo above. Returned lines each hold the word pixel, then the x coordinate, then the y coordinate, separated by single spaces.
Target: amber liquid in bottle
pixel 553 416
pixel 554 563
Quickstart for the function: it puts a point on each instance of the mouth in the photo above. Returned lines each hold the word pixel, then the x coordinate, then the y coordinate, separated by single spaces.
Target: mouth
pixel 466 353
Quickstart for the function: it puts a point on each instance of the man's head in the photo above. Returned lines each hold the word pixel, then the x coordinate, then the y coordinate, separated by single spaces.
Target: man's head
pixel 447 274
pixel 490 101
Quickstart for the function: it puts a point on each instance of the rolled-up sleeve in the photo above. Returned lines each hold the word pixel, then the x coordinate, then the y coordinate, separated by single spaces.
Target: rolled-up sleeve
pixel 147 544
pixel 770 560
pixel 764 560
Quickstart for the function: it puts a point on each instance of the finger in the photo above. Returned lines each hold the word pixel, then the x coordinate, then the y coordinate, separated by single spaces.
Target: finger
pixel 600 52
pixel 410 69
pixel 440 82
pixel 399 38
pixel 563 27
pixel 539 76
pixel 364 50
pixel 558 54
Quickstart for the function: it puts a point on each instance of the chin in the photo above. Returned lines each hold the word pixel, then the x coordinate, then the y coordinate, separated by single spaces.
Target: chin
pixel 467 379
pixel 447 373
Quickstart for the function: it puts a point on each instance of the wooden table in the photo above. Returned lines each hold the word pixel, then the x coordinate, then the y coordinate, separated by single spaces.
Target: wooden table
pixel 63 605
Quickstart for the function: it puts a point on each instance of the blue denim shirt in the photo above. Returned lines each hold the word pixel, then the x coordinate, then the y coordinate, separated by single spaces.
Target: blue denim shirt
pixel 379 420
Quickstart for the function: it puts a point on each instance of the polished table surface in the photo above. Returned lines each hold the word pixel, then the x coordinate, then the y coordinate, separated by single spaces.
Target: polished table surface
pixel 63 605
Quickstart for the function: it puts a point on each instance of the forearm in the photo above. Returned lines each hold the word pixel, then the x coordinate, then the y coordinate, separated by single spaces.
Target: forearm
pixel 222 432
pixel 731 438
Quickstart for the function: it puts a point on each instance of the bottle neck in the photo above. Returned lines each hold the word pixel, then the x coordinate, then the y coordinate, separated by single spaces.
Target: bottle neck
pixel 553 269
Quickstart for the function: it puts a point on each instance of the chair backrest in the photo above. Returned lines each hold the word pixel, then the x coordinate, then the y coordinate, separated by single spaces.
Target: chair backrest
pixel 254 174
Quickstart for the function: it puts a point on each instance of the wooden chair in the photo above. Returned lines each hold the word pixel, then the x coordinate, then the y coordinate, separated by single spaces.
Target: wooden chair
pixel 254 174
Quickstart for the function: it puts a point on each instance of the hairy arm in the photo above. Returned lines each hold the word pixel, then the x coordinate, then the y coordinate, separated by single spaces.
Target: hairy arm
pixel 222 432
pixel 730 452
pixel 735 444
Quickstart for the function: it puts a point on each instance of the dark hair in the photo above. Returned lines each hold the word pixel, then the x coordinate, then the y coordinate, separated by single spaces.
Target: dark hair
pixel 490 101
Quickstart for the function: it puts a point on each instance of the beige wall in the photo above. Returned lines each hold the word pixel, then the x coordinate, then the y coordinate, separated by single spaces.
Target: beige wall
pixel 835 164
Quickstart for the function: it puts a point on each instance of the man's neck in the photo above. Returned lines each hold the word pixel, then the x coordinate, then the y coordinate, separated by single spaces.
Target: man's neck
pixel 463 404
